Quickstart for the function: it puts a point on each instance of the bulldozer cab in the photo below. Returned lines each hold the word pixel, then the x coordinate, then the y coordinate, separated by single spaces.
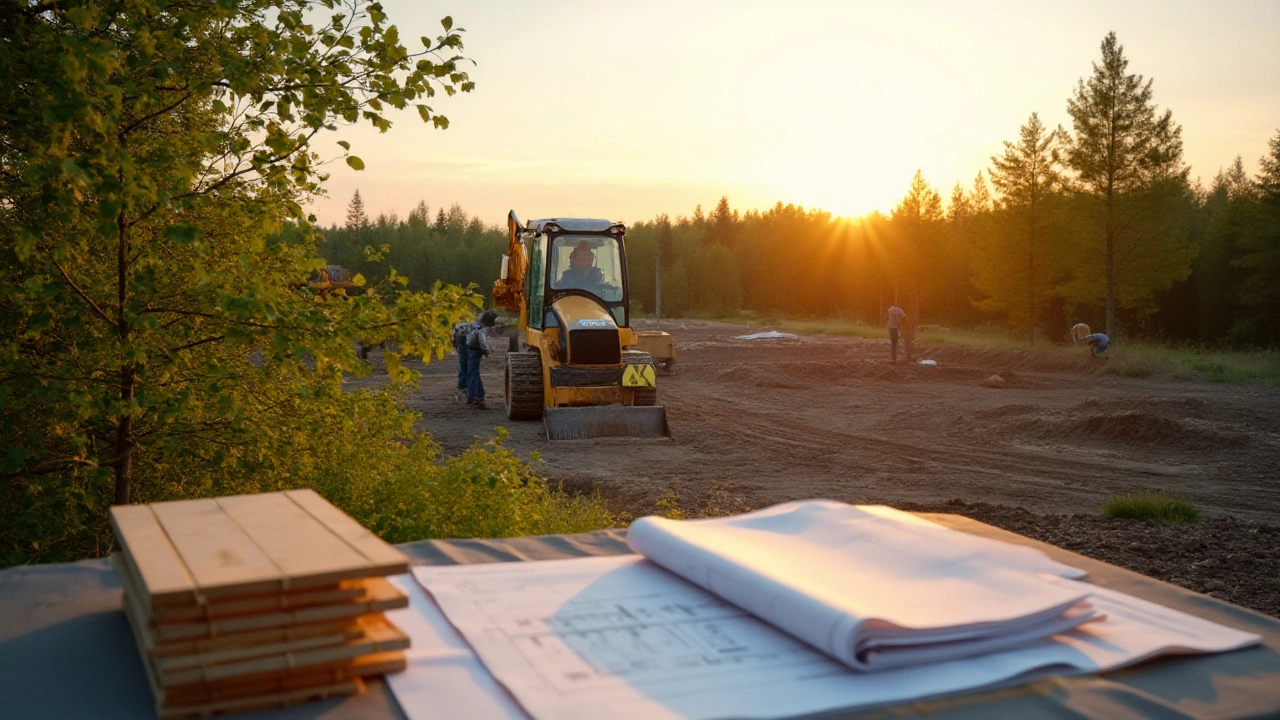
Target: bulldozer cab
pixel 590 264
pixel 586 258
pixel 577 365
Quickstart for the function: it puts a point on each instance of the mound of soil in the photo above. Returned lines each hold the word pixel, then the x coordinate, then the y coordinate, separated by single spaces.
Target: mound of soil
pixel 1145 422
pixel 760 422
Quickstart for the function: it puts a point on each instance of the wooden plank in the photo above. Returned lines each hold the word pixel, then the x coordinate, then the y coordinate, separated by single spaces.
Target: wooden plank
pixel 379 636
pixel 163 576
pixel 361 667
pixel 173 663
pixel 243 694
pixel 276 627
pixel 284 637
pixel 218 553
pixel 306 552
pixel 189 553
pixel 384 558
pixel 269 701
pixel 348 590
pixel 380 596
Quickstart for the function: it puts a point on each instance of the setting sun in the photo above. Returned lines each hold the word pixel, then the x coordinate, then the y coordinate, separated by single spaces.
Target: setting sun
pixel 682 103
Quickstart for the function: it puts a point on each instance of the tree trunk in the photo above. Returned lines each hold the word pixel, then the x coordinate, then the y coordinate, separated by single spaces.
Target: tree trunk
pixel 1031 280
pixel 124 439
pixel 1111 255
pixel 1111 280
pixel 128 373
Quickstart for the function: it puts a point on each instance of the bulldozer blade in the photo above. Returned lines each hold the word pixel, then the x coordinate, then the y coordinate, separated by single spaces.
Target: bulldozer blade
pixel 581 423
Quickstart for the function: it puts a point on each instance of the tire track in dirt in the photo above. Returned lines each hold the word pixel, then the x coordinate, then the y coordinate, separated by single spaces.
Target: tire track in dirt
pixel 830 417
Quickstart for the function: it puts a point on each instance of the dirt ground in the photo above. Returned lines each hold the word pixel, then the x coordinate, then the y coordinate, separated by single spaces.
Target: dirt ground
pixel 756 422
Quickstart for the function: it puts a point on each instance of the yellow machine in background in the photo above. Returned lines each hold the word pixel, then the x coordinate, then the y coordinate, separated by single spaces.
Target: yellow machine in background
pixel 660 346
pixel 577 364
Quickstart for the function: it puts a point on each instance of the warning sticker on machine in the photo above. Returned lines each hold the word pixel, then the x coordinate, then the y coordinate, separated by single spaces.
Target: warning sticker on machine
pixel 639 376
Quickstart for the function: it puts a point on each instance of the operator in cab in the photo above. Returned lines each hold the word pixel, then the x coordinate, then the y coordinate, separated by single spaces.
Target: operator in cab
pixel 582 272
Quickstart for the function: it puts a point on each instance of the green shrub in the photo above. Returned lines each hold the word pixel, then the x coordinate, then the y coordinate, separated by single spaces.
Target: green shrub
pixel 1154 505
pixel 668 506
pixel 358 449
pixel 487 491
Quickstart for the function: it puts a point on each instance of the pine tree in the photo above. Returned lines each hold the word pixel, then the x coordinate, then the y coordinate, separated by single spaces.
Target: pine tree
pixel 1215 277
pixel 958 209
pixel 917 219
pixel 1128 162
pixel 980 198
pixel 1010 266
pixel 357 220
pixel 419 216
pixel 722 225
pixel 1260 254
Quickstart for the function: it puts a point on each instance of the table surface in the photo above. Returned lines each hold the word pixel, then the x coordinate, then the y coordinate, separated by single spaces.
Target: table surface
pixel 67 651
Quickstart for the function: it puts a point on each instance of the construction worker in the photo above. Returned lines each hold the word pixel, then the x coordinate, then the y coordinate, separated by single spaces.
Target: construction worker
pixel 460 332
pixel 1098 342
pixel 582 272
pixel 896 316
pixel 478 347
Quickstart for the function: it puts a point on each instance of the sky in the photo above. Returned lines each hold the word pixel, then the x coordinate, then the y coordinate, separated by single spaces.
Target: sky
pixel 627 110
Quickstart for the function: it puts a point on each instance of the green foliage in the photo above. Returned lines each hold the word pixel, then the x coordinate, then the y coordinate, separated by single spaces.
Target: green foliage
pixel 918 229
pixel 1131 367
pixel 358 449
pixel 159 334
pixel 457 249
pixel 1128 166
pixel 1154 505
pixel 406 492
pixel 1196 363
pixel 668 506
pixel 1259 258
pixel 1018 263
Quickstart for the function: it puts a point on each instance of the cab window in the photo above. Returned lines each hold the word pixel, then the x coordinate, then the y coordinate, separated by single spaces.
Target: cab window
pixel 535 281
pixel 592 263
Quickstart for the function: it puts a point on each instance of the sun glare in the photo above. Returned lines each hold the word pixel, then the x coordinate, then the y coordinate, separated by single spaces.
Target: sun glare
pixel 824 182
pixel 831 156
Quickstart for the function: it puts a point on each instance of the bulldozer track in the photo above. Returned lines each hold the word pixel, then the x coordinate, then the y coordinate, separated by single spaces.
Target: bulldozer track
pixel 524 386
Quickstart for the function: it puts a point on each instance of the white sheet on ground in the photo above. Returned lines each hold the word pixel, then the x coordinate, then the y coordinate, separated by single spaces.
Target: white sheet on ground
pixel 569 637
pixel 769 335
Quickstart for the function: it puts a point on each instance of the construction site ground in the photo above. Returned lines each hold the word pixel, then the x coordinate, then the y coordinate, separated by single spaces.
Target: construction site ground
pixel 756 422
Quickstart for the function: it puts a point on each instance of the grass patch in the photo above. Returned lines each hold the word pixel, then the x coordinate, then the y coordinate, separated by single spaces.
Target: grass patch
pixel 1132 368
pixel 1196 364
pixel 1126 358
pixel 1154 505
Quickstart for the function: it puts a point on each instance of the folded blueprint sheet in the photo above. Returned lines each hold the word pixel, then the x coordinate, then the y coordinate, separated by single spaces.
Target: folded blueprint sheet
pixel 871 586
pixel 621 637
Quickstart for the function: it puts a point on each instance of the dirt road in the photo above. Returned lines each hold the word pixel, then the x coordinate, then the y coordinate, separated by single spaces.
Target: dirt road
pixel 761 421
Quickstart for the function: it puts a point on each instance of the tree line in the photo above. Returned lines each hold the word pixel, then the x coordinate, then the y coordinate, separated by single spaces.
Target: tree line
pixel 1096 223
pixel 450 248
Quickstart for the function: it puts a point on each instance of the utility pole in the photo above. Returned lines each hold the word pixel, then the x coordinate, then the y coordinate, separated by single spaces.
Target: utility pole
pixel 657 286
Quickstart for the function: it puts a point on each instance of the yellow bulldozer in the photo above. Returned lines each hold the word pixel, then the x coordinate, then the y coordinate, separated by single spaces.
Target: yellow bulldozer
pixel 575 362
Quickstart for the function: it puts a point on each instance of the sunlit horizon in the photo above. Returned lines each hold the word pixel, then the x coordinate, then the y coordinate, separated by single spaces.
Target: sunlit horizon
pixel 638 111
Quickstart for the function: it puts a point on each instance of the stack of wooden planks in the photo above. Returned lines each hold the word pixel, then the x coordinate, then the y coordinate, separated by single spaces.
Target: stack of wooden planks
pixel 256 601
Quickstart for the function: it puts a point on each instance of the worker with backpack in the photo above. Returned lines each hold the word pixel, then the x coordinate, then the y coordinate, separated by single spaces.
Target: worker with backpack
pixel 476 346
